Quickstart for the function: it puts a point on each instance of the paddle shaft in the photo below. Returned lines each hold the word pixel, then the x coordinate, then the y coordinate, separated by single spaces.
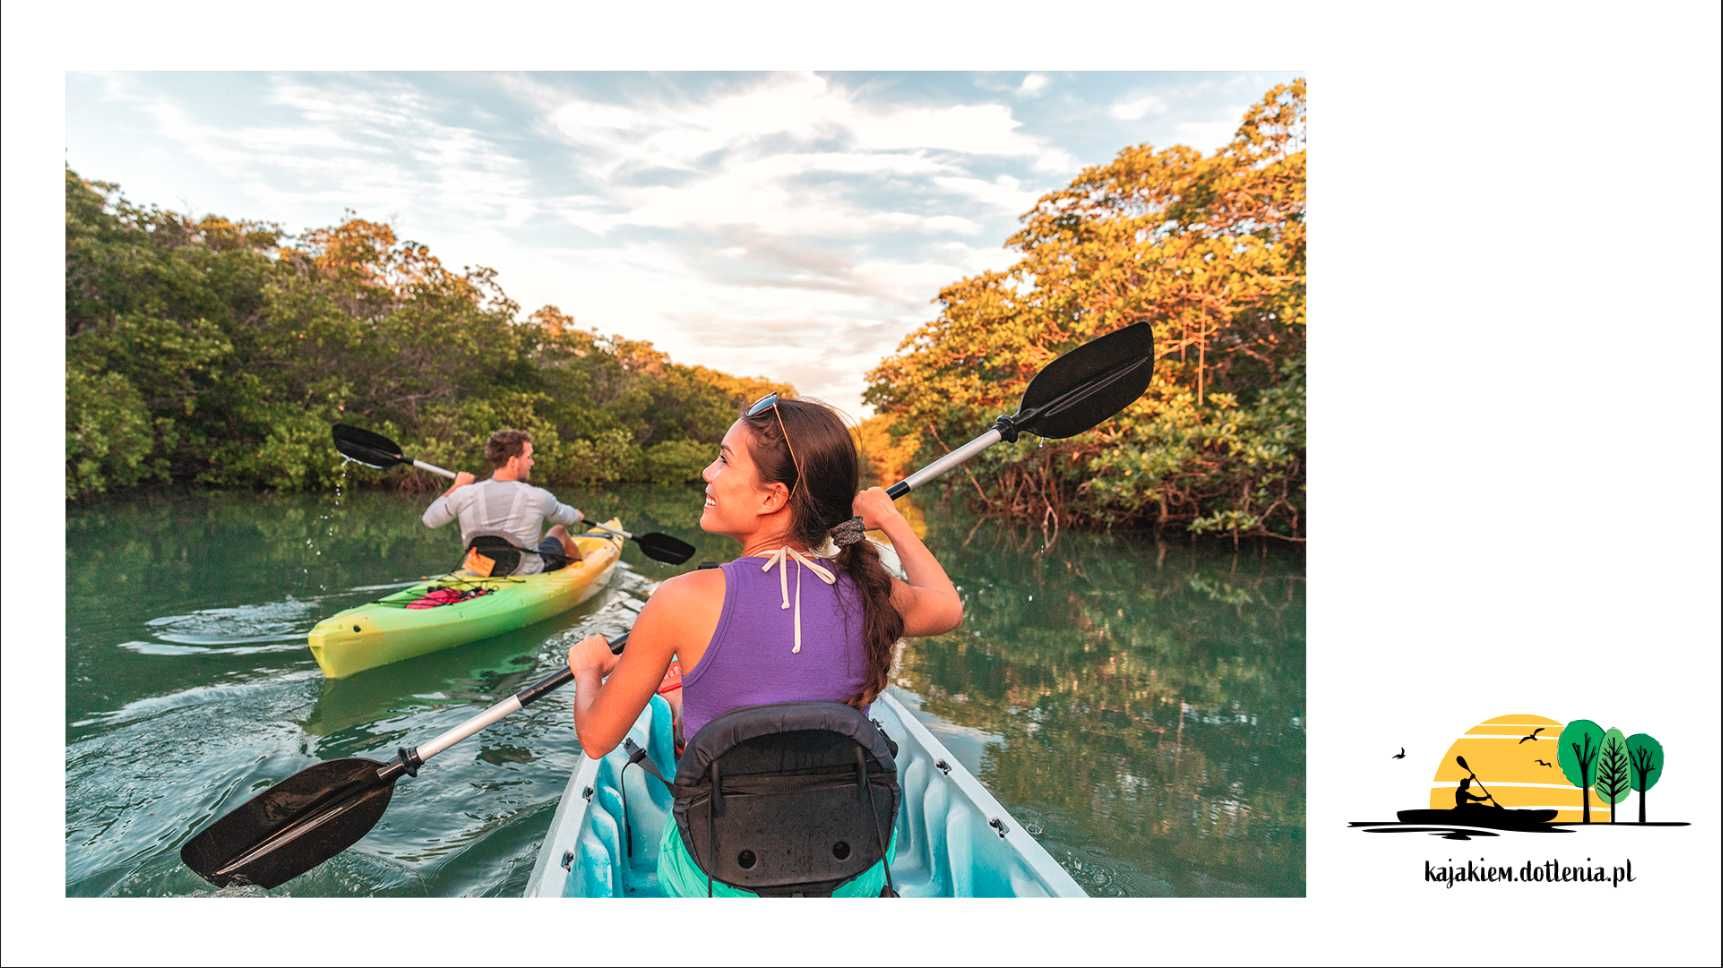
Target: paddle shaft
pixel 1480 783
pixel 506 707
pixel 421 465
pixel 939 467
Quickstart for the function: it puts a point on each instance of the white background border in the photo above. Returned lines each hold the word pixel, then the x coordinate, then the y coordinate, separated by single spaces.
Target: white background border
pixel 1514 399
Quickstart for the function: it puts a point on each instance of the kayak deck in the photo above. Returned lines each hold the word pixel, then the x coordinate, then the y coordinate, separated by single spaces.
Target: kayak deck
pixel 387 631
pixel 953 838
pixel 1493 817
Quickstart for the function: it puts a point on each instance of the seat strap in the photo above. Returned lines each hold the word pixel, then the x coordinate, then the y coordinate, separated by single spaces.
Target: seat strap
pixel 636 756
pixel 878 836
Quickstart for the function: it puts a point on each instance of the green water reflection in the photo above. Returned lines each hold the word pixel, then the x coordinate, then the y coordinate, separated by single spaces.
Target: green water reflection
pixel 1139 707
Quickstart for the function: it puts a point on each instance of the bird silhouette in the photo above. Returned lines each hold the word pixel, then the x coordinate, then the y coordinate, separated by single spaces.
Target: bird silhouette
pixel 1400 755
pixel 1544 763
pixel 1533 736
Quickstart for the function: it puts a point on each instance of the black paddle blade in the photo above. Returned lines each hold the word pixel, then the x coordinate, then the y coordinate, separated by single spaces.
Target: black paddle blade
pixel 662 547
pixel 1089 384
pixel 293 826
pixel 372 450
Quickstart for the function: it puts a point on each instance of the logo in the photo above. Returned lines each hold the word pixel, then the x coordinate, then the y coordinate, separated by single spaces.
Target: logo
pixel 1525 774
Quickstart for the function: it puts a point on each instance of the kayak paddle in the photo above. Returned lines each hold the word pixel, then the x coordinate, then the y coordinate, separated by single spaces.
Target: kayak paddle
pixel 1493 801
pixel 378 451
pixel 322 810
pixel 1070 395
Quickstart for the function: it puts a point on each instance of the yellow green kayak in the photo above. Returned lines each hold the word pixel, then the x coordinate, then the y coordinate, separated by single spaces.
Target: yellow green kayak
pixel 401 626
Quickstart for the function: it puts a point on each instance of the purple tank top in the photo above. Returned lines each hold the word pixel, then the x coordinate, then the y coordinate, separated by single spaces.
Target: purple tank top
pixel 749 661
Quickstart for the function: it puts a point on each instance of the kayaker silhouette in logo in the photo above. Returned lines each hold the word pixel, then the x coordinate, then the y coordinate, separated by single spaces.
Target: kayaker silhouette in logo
pixel 1604 768
pixel 1463 797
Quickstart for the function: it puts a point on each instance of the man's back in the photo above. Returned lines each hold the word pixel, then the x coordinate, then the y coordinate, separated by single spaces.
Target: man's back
pixel 514 510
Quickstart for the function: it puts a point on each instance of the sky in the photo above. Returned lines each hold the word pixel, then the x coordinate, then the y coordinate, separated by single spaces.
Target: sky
pixel 792 226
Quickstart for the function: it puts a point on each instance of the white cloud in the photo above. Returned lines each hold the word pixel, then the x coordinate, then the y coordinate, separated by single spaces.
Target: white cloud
pixel 846 163
pixel 974 260
pixel 800 107
pixel 1004 192
pixel 1209 135
pixel 979 129
pixel 1138 108
pixel 767 193
pixel 118 87
pixel 918 281
pixel 790 226
pixel 1057 161
pixel 345 145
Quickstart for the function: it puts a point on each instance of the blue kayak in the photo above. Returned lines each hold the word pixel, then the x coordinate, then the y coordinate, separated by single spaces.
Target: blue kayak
pixel 953 838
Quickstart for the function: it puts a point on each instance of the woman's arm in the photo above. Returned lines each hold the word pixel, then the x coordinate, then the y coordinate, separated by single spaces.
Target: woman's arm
pixel 604 709
pixel 927 601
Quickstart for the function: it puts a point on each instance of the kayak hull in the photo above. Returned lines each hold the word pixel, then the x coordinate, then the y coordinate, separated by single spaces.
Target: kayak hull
pixel 1481 817
pixel 953 838
pixel 386 631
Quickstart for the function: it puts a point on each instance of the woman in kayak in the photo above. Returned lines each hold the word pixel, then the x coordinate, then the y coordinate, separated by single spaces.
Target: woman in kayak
pixel 807 613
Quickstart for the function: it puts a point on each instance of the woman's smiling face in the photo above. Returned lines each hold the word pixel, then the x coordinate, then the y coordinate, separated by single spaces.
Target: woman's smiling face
pixel 735 497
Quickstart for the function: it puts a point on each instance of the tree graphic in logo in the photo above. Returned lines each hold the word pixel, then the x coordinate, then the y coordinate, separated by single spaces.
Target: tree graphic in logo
pixel 1577 751
pixel 1612 780
pixel 1498 776
pixel 1645 758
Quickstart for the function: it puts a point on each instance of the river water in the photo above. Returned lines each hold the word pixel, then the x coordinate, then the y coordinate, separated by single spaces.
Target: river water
pixel 1139 707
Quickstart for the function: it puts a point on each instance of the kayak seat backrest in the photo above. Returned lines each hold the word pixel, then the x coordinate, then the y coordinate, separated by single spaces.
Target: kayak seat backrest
pixel 787 799
pixel 505 557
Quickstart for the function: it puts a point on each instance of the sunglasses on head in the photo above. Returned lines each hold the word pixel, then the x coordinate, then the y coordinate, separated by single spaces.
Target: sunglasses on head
pixel 770 402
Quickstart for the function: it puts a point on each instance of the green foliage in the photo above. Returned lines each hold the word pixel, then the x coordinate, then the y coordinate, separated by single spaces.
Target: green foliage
pixel 216 352
pixel 675 461
pixel 1211 250
pixel 604 458
pixel 1612 781
pixel 1645 759
pixel 108 429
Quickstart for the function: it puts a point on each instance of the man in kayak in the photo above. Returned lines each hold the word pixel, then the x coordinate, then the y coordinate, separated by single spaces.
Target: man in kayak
pixel 750 632
pixel 506 506
pixel 1464 798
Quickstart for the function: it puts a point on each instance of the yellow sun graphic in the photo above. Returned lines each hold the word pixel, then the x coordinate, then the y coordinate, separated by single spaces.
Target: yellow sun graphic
pixel 1511 767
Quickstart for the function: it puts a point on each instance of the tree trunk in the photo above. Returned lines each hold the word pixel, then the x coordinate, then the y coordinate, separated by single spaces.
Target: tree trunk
pixel 1642 806
pixel 1585 795
pixel 1202 355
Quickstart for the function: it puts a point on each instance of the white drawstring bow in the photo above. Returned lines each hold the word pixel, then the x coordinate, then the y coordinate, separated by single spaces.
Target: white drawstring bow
pixel 779 560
